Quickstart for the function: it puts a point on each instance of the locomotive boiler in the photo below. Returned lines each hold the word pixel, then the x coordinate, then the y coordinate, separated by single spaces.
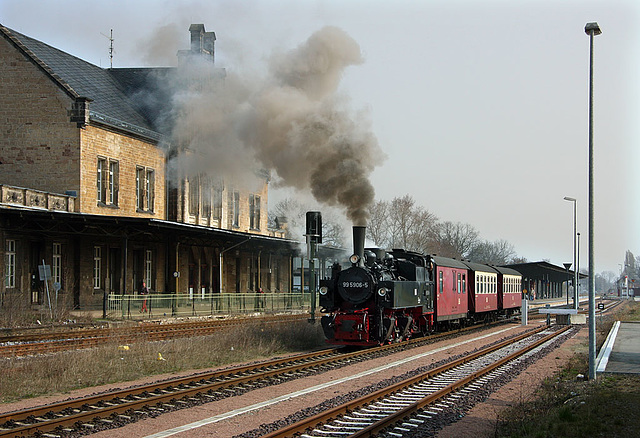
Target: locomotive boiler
pixel 382 297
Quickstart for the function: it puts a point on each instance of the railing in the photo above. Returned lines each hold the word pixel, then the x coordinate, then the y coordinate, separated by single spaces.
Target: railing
pixel 159 305
pixel 36 199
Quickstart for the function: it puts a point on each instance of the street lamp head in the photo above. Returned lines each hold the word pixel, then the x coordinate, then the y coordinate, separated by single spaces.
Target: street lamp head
pixel 592 28
pixel 567 265
pixel 569 198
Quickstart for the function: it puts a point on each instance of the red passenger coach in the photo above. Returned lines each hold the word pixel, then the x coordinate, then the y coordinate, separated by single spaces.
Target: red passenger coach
pixel 483 290
pixel 450 282
pixel 509 290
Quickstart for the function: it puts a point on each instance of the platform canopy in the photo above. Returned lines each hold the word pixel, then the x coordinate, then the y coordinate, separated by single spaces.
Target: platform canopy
pixel 544 271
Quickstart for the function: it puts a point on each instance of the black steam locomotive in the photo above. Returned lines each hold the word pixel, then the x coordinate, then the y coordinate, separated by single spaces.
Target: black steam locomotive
pixel 382 297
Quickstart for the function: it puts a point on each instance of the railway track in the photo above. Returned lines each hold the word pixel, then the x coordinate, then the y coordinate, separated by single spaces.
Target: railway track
pixel 402 409
pixel 113 409
pixel 41 343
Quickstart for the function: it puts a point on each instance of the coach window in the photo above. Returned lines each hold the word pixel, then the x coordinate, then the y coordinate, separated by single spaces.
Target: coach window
pixel 464 283
pixel 453 281
pixel 459 282
pixel 440 281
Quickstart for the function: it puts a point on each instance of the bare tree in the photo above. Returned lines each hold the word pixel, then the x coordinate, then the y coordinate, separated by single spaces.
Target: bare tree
pixel 629 266
pixel 499 252
pixel 401 223
pixel 518 259
pixel 333 229
pixel 378 225
pixel 454 239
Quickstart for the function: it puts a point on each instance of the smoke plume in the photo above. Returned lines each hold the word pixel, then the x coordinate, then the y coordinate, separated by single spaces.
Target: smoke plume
pixel 292 122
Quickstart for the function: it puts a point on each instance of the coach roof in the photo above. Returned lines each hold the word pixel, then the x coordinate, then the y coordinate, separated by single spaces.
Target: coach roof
pixel 447 262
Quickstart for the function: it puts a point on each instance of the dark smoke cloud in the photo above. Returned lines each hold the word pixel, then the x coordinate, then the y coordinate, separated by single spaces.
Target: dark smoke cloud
pixel 292 122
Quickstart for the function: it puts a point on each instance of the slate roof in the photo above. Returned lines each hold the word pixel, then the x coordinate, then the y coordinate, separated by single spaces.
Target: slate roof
pixel 110 104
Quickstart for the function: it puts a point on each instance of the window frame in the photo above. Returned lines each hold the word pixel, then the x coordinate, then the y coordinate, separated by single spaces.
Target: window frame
pixel 113 181
pixel 194 195
pixel 97 267
pixel 150 190
pixel 254 212
pixel 10 263
pixel 101 177
pixel 56 263
pixel 236 209
pixel 148 267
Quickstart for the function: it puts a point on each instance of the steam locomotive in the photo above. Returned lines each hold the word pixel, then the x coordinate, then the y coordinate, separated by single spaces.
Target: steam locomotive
pixel 390 296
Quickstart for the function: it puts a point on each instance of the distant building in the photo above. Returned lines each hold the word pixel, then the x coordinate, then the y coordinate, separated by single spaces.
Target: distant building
pixel 85 185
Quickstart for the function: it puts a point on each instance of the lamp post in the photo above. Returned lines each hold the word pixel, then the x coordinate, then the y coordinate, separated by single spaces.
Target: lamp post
pixel 591 29
pixel 575 270
pixel 578 276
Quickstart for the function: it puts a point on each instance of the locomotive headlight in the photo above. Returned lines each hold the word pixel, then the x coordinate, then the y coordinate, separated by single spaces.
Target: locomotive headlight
pixel 324 290
pixel 354 259
pixel 382 291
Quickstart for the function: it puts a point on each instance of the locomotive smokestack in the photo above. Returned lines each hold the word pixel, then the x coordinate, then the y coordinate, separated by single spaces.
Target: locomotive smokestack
pixel 358 242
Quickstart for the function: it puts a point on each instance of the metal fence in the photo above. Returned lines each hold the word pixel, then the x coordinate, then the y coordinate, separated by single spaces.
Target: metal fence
pixel 157 305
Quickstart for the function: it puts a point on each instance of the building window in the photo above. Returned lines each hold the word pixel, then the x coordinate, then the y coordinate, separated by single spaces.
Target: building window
pixel 140 188
pixel 145 189
pixel 206 197
pixel 10 264
pixel 217 202
pixel 150 182
pixel 107 181
pixel 148 267
pixel 114 178
pixel 101 180
pixel 97 266
pixel 236 209
pixel 56 268
pixel 194 195
pixel 254 212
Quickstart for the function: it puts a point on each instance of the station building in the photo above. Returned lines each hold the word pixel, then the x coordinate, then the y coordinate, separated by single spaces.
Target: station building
pixel 87 195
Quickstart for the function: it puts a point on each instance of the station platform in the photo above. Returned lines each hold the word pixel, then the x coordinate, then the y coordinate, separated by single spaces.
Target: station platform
pixel 620 354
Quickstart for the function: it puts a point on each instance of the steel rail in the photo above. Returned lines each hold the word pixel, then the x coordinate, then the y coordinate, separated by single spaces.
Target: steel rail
pixel 67 340
pixel 323 417
pixel 419 405
pixel 119 402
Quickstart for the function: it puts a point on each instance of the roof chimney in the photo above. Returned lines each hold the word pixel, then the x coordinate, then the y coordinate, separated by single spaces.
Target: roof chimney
pixel 202 43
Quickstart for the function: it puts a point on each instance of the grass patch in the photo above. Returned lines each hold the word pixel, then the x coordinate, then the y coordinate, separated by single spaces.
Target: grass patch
pixel 59 373
pixel 566 406
pixel 605 408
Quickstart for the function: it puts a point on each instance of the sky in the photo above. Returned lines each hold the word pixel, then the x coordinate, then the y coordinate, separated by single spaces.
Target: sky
pixel 480 108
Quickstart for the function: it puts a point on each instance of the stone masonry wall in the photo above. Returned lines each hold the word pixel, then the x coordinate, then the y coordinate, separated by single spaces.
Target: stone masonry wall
pixel 39 147
pixel 129 153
